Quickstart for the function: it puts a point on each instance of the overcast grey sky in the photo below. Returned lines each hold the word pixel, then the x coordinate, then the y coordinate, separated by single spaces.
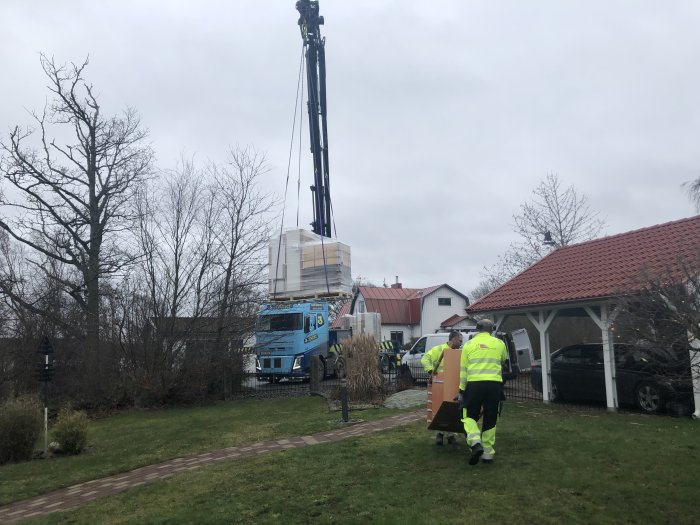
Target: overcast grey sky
pixel 443 115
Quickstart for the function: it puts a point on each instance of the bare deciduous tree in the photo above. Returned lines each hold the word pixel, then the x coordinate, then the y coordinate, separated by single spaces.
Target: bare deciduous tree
pixel 562 214
pixel 245 227
pixel 665 316
pixel 69 200
pixel 667 309
pixel 243 233
pixel 170 291
pixel 194 292
pixel 693 188
pixel 176 242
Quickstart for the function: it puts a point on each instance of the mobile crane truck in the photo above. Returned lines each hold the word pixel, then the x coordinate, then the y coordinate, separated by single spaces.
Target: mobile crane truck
pixel 290 333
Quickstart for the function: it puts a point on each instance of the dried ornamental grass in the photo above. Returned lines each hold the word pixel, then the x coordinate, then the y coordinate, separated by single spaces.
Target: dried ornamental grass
pixel 364 380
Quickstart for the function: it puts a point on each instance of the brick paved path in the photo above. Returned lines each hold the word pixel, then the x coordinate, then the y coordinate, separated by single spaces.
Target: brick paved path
pixel 76 495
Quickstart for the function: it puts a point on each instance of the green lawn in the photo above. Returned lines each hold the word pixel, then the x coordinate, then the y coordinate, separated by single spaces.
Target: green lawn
pixel 133 439
pixel 553 466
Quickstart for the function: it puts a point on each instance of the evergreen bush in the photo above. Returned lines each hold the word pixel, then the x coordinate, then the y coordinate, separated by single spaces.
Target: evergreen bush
pixel 70 431
pixel 20 428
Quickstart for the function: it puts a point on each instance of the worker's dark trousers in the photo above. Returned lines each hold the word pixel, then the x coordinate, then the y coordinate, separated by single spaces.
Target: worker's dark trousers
pixel 486 394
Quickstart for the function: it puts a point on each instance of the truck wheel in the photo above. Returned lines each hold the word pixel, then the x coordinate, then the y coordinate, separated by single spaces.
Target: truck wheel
pixel 321 369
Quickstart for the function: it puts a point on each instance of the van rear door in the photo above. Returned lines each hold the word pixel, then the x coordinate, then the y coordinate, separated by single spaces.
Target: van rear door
pixel 523 349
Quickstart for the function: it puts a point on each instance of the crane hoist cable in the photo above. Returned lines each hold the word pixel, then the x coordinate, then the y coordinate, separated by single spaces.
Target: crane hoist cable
pixel 300 85
pixel 301 129
pixel 313 51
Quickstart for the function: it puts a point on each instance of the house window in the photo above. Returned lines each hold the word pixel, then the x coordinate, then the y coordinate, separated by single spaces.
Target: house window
pixel 360 307
pixel 444 301
pixel 397 336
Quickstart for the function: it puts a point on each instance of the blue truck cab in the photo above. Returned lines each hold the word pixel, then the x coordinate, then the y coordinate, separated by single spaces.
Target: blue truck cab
pixel 287 336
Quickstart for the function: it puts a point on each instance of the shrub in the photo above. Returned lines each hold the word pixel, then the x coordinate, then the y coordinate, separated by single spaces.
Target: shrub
pixel 20 428
pixel 70 431
pixel 364 379
pixel 404 381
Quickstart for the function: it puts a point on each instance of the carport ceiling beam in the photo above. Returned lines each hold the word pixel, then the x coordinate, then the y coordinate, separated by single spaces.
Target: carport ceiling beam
pixel 603 324
pixel 499 320
pixel 542 324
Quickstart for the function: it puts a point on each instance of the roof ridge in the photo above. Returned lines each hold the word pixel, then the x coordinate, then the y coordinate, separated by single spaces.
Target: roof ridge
pixel 621 234
pixel 599 268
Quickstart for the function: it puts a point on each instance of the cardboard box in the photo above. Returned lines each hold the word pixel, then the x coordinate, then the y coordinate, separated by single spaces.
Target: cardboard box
pixel 442 412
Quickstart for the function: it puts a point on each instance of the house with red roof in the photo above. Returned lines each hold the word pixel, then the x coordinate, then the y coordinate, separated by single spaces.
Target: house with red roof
pixel 407 313
pixel 588 279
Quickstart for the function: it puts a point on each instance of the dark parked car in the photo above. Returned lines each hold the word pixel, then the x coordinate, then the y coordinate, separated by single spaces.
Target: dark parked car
pixel 646 377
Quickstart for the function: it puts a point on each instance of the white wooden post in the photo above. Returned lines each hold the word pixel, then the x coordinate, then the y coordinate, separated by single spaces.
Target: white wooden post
pixel 604 322
pixel 542 325
pixel 695 371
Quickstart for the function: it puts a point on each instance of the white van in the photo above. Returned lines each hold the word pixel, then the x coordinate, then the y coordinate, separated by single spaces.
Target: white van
pixel 414 370
pixel 412 358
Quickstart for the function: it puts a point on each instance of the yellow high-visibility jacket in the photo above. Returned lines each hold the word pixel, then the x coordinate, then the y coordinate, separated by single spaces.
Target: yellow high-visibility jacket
pixel 482 359
pixel 430 358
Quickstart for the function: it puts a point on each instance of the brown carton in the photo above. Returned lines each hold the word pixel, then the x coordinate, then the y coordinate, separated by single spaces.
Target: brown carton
pixel 442 412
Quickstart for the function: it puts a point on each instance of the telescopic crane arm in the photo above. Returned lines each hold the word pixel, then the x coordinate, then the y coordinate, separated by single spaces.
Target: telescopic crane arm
pixel 314 45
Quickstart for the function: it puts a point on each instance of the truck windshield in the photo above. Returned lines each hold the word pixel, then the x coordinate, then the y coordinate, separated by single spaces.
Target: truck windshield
pixel 279 323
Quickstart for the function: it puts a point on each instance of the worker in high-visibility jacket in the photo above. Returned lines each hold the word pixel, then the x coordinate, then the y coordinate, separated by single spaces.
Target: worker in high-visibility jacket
pixel 481 385
pixel 432 359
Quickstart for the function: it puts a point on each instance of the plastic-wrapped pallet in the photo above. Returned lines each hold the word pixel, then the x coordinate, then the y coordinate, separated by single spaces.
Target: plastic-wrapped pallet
pixel 303 264
pixel 346 322
pixel 369 323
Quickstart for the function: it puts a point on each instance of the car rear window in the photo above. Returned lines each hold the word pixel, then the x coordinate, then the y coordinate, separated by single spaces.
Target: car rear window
pixel 579 356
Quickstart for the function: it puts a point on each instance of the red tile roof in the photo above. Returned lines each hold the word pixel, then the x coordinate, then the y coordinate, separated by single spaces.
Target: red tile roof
pixel 344 310
pixel 453 320
pixel 601 268
pixel 396 305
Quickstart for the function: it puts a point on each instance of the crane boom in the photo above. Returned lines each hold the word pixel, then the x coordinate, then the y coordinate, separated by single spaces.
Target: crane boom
pixel 314 45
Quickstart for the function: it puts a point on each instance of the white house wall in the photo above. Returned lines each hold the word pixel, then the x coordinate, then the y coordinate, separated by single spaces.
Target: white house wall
pixel 388 328
pixel 431 317
pixel 433 314
pixel 360 305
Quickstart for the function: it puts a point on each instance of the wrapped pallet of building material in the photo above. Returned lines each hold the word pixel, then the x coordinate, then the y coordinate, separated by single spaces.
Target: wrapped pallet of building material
pixel 346 322
pixel 369 323
pixel 303 264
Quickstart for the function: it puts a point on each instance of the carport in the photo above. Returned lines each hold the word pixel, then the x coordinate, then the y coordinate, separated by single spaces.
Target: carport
pixel 592 276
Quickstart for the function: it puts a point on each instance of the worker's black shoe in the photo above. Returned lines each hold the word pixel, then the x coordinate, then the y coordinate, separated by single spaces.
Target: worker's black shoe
pixel 486 461
pixel 451 440
pixel 477 451
pixel 438 439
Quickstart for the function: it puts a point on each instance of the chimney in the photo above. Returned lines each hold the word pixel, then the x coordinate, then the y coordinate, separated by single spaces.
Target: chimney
pixel 397 284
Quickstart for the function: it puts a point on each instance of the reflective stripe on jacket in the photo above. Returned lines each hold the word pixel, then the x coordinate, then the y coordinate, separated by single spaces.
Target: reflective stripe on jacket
pixel 482 358
pixel 431 357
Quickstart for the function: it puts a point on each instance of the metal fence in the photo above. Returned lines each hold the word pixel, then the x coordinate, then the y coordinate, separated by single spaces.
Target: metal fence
pixel 247 384
pixel 521 388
